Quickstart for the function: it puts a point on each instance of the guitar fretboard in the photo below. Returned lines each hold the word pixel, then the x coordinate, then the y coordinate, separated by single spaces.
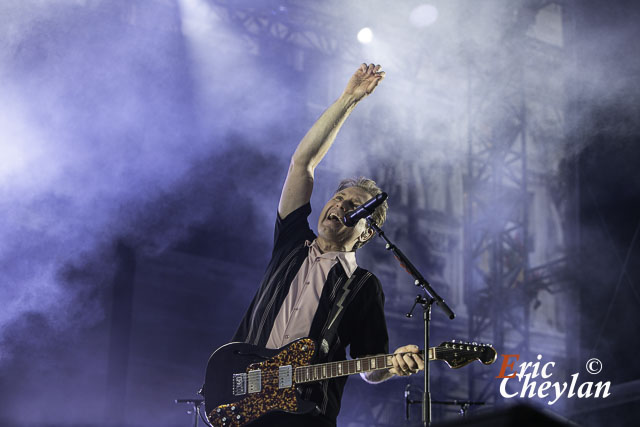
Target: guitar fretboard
pixel 323 371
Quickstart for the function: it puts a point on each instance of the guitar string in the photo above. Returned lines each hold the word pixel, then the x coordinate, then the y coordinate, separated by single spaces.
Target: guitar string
pixel 271 374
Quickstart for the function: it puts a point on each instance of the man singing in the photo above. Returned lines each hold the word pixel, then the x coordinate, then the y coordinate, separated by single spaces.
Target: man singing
pixel 313 286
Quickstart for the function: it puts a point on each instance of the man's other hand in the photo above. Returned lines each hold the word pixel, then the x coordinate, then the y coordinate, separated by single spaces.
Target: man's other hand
pixel 407 360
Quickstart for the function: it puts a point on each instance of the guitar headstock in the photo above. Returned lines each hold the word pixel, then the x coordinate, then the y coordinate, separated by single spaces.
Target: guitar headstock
pixel 459 353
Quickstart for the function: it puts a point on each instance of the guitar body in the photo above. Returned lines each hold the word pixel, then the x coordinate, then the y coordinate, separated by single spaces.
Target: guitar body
pixel 230 403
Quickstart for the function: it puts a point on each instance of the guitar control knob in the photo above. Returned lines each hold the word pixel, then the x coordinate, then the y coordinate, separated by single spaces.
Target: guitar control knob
pixel 238 417
pixel 218 410
pixel 224 419
pixel 233 408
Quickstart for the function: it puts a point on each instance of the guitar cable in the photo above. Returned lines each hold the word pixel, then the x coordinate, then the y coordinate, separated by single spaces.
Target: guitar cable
pixel 204 418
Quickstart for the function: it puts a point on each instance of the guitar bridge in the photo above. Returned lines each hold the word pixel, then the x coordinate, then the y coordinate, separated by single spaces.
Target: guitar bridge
pixel 239 384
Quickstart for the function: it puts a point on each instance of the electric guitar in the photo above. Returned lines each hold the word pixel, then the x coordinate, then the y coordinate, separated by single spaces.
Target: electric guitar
pixel 244 382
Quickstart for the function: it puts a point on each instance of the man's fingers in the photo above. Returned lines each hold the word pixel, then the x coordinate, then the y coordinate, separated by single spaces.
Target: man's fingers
pixel 407 360
pixel 372 86
pixel 396 368
pixel 413 351
pixel 402 364
pixel 419 362
pixel 406 364
pixel 411 364
pixel 369 76
pixel 408 349
pixel 375 81
pixel 414 362
pixel 371 69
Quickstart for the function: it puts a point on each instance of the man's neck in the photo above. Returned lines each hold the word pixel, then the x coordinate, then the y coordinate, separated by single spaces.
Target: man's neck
pixel 329 246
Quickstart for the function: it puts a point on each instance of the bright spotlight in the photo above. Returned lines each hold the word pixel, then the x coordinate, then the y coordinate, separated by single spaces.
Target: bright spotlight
pixel 423 15
pixel 365 35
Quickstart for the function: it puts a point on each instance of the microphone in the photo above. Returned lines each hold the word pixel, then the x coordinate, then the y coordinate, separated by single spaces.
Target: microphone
pixel 351 219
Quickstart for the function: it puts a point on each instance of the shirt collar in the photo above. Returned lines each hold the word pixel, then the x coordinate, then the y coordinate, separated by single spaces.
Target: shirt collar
pixel 346 259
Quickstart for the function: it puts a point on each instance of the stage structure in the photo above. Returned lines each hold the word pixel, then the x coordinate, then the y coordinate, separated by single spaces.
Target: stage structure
pixel 299 24
pixel 515 258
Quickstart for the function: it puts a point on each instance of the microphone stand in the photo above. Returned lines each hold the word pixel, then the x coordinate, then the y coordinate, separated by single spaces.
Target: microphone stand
pixel 426 301
pixel 463 404
pixel 196 408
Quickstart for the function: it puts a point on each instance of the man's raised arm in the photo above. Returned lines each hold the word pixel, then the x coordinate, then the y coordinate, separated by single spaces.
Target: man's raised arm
pixel 315 144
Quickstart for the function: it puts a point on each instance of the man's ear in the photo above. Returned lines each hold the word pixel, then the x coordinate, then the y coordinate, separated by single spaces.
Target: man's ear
pixel 366 234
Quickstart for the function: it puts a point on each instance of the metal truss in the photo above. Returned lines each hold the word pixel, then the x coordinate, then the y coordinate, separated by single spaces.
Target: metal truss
pixel 500 286
pixel 495 223
pixel 288 22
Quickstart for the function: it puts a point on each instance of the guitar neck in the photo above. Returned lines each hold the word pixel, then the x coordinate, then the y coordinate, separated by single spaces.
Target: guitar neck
pixel 324 371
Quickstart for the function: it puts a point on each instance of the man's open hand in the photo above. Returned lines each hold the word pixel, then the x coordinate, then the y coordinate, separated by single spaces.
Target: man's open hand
pixel 364 81
pixel 407 360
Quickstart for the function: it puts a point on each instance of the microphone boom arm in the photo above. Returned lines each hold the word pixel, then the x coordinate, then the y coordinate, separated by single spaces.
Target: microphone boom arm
pixel 419 280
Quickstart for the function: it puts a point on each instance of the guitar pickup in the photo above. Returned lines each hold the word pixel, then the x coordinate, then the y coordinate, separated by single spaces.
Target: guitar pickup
pixel 285 376
pixel 239 384
pixel 254 380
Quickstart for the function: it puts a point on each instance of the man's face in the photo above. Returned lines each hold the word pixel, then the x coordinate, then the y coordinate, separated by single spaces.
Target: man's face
pixel 330 225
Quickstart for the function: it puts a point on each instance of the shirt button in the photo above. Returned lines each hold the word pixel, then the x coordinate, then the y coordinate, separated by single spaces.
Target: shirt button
pixel 286 337
pixel 295 309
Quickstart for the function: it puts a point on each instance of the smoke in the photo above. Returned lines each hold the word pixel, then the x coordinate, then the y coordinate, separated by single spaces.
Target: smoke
pixel 112 127
pixel 106 127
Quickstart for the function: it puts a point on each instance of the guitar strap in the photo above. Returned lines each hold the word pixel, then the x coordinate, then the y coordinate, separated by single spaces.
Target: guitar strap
pixel 329 336
pixel 343 299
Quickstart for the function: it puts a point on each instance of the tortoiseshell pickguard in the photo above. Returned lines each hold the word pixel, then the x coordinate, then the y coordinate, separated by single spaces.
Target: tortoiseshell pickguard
pixel 270 398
